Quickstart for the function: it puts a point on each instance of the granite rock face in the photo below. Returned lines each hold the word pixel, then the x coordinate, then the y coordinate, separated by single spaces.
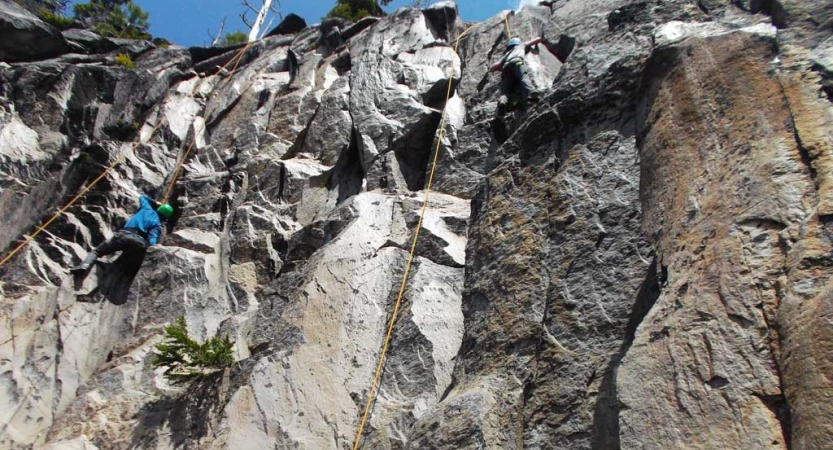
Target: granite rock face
pixel 597 316
pixel 640 260
pixel 744 272
pixel 26 37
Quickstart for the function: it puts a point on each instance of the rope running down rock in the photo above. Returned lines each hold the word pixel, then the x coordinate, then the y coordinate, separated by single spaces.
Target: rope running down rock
pixel 237 58
pixel 380 365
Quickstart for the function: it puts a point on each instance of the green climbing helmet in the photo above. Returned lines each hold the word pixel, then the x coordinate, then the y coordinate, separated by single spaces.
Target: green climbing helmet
pixel 165 210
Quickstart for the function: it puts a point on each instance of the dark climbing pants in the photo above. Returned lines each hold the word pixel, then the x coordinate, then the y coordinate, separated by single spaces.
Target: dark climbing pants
pixel 515 83
pixel 123 241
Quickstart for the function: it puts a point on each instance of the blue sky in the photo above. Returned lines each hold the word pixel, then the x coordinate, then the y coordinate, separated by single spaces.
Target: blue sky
pixel 187 22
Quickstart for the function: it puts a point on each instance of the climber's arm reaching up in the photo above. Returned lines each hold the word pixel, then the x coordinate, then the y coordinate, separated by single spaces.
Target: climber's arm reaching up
pixel 534 42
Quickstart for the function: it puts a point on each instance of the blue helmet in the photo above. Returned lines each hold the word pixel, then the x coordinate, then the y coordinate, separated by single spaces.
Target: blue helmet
pixel 513 42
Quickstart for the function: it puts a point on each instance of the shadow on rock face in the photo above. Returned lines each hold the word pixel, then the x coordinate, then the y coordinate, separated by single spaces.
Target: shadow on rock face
pixel 606 412
pixel 414 150
pixel 187 416
pixel 114 278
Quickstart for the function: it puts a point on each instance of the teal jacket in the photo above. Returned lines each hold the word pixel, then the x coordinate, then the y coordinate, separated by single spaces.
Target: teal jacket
pixel 146 221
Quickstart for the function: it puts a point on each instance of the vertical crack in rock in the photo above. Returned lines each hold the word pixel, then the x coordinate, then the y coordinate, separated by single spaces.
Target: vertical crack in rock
pixel 606 412
pixel 347 172
pixel 59 348
pixel 778 404
pixel 805 155
pixel 414 151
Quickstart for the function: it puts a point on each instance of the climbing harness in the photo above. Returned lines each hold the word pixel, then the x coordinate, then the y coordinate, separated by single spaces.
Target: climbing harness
pixel 380 365
pixel 236 59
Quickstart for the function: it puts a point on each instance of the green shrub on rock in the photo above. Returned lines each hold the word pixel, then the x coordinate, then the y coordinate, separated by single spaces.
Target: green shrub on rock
pixel 355 10
pixel 57 20
pixel 234 38
pixel 185 359
pixel 124 60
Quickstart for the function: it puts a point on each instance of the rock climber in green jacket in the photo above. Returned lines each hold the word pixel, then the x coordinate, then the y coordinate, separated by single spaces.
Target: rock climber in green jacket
pixel 142 230
pixel 515 83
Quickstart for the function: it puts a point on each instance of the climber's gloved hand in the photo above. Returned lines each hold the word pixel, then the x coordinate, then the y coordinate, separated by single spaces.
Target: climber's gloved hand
pixel 151 199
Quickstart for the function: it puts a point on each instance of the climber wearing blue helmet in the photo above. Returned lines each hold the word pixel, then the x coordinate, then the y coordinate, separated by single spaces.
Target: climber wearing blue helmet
pixel 515 83
pixel 141 230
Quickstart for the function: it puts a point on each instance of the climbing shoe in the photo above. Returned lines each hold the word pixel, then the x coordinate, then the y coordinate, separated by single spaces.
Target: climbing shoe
pixel 85 266
pixel 80 269
pixel 502 105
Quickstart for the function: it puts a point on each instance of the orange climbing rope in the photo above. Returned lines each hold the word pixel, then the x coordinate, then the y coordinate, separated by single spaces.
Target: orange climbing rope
pixel 236 59
pixel 74 199
pixel 392 322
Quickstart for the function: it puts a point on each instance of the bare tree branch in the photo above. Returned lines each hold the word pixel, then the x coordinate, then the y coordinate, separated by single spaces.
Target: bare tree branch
pixel 261 17
pixel 266 7
pixel 249 5
pixel 215 39
pixel 246 21
pixel 266 28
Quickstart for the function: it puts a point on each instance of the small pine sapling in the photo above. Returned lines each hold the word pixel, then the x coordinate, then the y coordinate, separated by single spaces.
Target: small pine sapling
pixel 186 360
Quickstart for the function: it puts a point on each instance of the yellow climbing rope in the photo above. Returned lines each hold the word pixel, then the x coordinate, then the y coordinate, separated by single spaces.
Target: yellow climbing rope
pixel 506 21
pixel 236 59
pixel 392 322
pixel 89 186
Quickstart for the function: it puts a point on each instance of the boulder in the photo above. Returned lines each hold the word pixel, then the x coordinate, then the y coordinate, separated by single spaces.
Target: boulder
pixel 710 306
pixel 291 24
pixel 352 30
pixel 26 37
pixel 442 17
pixel 89 41
pixel 330 131
pixel 132 47
pixel 323 361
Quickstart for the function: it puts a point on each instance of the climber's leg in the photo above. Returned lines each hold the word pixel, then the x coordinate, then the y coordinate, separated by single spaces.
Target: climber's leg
pixel 525 87
pixel 132 242
pixel 509 84
pixel 533 95
pixel 86 264
pixel 110 246
pixel 122 241
pixel 107 247
pixel 507 80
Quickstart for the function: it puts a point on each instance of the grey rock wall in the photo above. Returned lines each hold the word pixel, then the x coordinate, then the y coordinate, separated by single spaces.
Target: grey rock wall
pixel 27 38
pixel 638 261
